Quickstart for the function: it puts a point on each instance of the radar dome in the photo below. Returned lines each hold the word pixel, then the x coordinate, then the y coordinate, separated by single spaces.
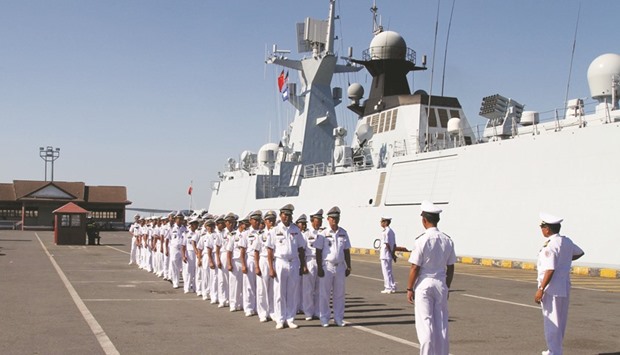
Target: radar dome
pixel 364 133
pixel 454 126
pixel 355 91
pixel 388 45
pixel 600 74
pixel 267 153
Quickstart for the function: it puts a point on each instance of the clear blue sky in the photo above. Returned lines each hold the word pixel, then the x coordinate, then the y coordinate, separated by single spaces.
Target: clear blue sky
pixel 152 94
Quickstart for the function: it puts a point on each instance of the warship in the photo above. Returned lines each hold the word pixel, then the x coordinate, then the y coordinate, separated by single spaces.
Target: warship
pixel 410 146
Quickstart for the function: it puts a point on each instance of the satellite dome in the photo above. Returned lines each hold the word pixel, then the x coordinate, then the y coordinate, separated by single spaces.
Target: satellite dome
pixel 388 45
pixel 600 74
pixel 355 91
pixel 267 153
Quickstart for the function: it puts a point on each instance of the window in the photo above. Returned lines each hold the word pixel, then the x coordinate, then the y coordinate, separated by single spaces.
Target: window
pixel 432 118
pixel 65 220
pixel 76 220
pixel 443 117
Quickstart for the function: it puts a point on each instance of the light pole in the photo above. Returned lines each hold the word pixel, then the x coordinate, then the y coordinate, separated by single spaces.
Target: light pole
pixel 49 155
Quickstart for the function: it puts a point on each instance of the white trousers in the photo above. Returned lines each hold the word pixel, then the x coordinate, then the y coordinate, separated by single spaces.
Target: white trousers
pixel 198 278
pixel 235 285
pixel 134 253
pixel 310 292
pixel 205 285
pixel 264 291
pixel 431 316
pixel 555 315
pixel 189 272
pixel 175 265
pixel 222 281
pixel 249 286
pixel 285 290
pixel 166 265
pixel 388 276
pixel 332 284
pixel 213 284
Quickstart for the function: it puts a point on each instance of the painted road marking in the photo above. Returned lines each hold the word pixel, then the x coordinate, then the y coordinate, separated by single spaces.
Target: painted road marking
pixel 501 301
pixel 102 338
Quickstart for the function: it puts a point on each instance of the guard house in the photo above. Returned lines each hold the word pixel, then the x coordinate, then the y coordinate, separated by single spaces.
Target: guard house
pixel 70 225
pixel 27 204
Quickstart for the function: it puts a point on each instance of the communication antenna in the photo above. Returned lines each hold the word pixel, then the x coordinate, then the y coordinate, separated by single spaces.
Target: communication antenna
pixel 445 55
pixel 430 94
pixel 572 56
pixel 376 25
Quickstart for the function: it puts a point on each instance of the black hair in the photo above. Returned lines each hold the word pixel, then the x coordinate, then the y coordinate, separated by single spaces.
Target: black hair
pixel 433 218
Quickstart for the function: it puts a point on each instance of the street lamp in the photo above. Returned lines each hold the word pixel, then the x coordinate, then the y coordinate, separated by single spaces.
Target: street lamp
pixel 49 155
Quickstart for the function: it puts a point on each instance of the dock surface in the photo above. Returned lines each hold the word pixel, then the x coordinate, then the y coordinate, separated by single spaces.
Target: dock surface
pixel 88 300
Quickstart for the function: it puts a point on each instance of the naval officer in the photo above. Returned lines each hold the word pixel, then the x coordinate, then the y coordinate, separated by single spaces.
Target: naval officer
pixel 286 248
pixel 177 234
pixel 387 255
pixel 554 265
pixel 333 259
pixel 310 295
pixel 134 231
pixel 432 268
pixel 188 254
pixel 264 282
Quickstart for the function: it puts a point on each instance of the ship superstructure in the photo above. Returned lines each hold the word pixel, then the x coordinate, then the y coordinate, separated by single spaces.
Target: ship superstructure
pixel 413 146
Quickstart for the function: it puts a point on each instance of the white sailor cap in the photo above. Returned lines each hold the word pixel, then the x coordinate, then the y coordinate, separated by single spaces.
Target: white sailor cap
pixel 547 218
pixel 193 220
pixel 389 219
pixel 334 212
pixel 429 207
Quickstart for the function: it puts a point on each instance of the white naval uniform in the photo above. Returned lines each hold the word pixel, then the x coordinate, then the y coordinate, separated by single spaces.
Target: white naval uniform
pixel 210 244
pixel 285 243
pixel 264 283
pixel 433 251
pixel 189 267
pixel 310 281
pixel 387 237
pixel 176 241
pixel 165 237
pixel 235 276
pixel 156 243
pixel 222 273
pixel 250 238
pixel 557 255
pixel 333 244
pixel 202 272
pixel 135 234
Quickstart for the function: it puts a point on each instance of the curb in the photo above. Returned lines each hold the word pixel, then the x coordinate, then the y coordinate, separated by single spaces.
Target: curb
pixel 507 264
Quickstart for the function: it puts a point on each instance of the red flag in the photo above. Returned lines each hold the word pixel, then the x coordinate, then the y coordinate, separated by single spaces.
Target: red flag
pixel 281 80
pixel 189 191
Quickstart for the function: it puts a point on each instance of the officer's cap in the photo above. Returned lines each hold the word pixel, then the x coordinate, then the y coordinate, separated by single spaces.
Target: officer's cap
pixel 246 219
pixel 334 212
pixel 179 215
pixel 318 214
pixel 287 209
pixel 257 215
pixel 270 215
pixel 136 217
pixel 429 207
pixel 193 220
pixel 231 217
pixel 302 219
pixel 219 219
pixel 547 218
pixel 389 219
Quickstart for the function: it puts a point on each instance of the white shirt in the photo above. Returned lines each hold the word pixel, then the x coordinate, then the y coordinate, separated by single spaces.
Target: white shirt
pixel 333 244
pixel 177 236
pixel 285 242
pixel 432 252
pixel 557 255
pixel 234 244
pixel 310 236
pixel 387 237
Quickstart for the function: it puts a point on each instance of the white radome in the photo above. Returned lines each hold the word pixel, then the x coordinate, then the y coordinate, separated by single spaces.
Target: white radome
pixel 600 73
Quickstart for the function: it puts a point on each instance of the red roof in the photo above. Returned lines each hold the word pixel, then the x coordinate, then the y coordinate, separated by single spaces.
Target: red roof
pixel 70 208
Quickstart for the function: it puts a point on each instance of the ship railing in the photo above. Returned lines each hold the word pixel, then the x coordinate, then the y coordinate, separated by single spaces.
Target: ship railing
pixel 317 169
pixel 382 52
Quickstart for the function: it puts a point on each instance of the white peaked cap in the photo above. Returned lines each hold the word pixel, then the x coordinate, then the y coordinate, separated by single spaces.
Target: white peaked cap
pixel 429 207
pixel 549 218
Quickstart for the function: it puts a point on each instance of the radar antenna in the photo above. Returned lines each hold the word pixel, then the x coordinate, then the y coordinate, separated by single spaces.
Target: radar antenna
pixel 377 27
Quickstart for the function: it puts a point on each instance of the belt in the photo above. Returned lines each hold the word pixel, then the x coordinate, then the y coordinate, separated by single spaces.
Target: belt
pixel 335 263
pixel 290 260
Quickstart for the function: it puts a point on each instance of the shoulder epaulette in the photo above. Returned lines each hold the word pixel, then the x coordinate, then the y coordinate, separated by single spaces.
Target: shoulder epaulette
pixel 418 237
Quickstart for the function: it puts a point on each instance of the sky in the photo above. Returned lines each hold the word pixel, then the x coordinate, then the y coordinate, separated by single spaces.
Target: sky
pixel 156 95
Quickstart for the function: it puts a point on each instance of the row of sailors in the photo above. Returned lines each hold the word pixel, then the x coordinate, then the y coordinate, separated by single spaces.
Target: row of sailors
pixel 262 267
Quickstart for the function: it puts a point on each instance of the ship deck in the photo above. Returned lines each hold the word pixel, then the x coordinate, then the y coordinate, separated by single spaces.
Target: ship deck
pixel 86 299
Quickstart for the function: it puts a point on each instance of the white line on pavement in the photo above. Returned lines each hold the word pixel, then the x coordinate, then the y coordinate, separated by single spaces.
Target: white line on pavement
pixel 139 300
pixel 122 251
pixel 102 338
pixel 501 301
pixel 383 335
pixel 365 277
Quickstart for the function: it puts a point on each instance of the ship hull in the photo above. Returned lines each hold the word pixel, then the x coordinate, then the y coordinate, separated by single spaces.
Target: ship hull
pixel 491 195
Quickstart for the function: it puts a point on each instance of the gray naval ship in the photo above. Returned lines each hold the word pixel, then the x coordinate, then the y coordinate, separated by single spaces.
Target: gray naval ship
pixel 409 146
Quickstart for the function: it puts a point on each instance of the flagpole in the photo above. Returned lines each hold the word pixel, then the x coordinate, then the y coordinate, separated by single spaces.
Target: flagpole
pixel 191 188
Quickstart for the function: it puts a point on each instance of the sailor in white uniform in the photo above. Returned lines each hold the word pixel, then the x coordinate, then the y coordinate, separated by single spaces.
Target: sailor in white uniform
pixel 250 243
pixel 221 255
pixel 302 224
pixel 234 249
pixel 432 268
pixel 205 243
pixel 134 231
pixel 286 248
pixel 310 296
pixel 211 246
pixel 177 234
pixel 264 282
pixel 554 265
pixel 166 228
pixel 387 254
pixel 188 254
pixel 333 259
